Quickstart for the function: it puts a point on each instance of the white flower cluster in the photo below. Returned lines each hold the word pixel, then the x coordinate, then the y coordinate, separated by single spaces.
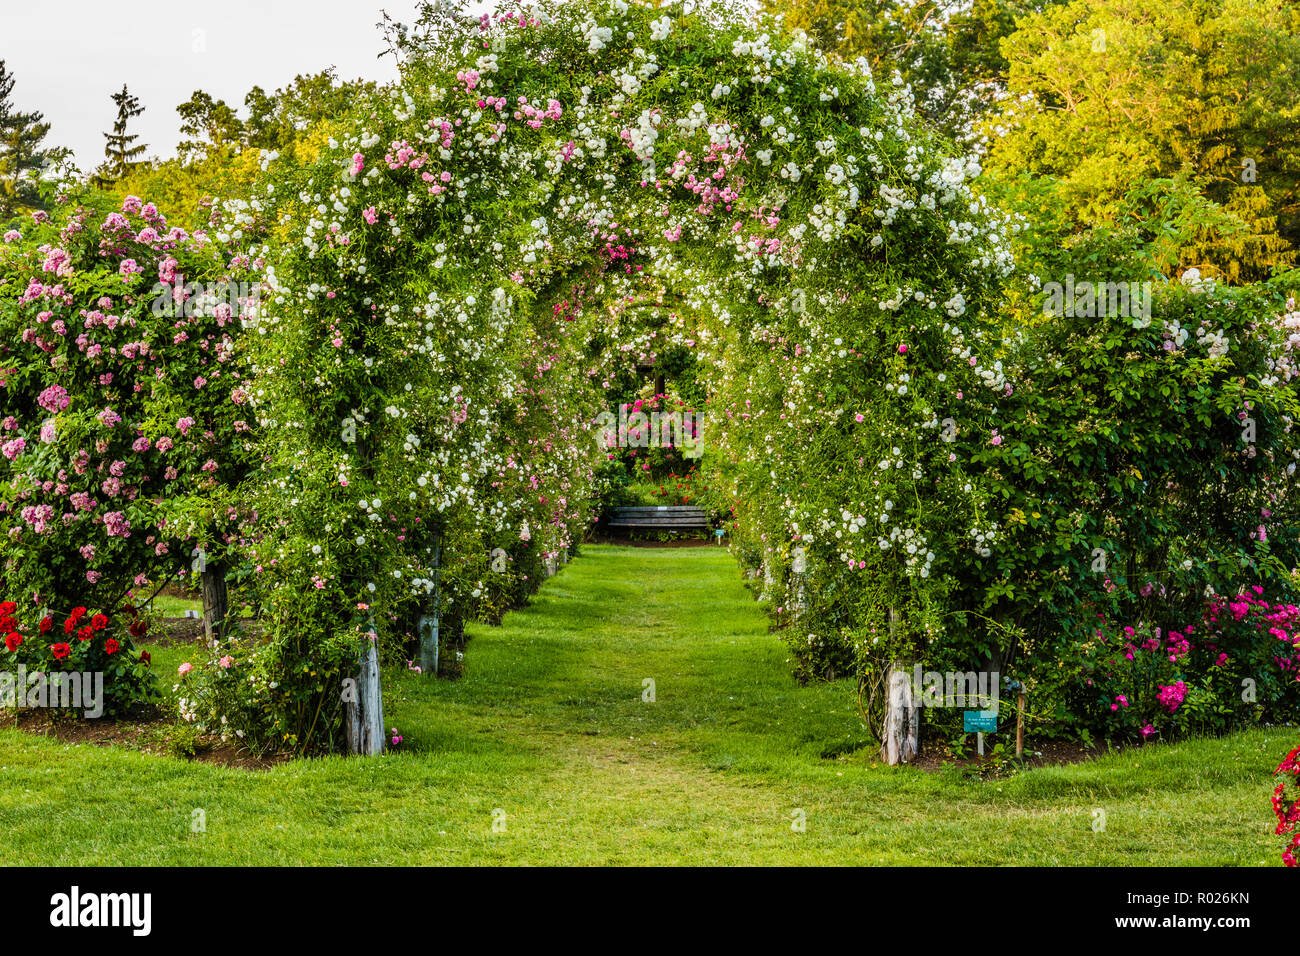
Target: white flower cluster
pixel 914 546
pixel 982 539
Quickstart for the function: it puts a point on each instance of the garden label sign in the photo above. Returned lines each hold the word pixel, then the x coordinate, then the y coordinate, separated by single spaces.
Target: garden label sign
pixel 980 722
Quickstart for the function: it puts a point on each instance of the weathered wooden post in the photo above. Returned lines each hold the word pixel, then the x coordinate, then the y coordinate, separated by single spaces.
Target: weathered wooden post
pixel 1020 720
pixel 216 600
pixel 797 568
pixel 428 624
pixel 363 708
pixel 901 737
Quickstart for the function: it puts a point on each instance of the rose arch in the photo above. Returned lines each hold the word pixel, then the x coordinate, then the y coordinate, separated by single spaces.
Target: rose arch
pixel 441 266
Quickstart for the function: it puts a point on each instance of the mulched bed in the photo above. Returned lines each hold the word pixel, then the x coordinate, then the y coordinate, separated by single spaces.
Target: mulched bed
pixel 147 736
pixel 177 630
pixel 1045 753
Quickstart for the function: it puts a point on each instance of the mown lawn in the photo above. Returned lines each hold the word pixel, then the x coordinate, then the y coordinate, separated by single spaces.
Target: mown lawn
pixel 548 735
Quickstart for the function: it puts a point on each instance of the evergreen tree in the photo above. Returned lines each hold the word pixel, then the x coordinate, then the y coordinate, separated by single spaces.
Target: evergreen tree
pixel 120 149
pixel 21 155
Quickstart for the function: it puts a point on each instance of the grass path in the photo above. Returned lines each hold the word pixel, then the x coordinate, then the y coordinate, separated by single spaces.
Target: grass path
pixel 548 734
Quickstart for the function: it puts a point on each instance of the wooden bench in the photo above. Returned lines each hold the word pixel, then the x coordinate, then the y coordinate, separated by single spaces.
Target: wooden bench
pixel 661 518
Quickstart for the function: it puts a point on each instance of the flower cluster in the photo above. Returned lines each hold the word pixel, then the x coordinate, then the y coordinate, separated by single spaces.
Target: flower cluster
pixel 82 642
pixel 1286 804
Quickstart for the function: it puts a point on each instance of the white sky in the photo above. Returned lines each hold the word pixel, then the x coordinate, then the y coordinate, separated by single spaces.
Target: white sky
pixel 68 57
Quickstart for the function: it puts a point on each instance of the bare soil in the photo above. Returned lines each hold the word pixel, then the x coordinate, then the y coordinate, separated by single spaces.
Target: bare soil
pixel 149 735
pixel 1043 753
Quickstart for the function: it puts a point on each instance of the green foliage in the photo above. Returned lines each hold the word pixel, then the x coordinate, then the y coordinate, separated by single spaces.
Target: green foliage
pixel 549 723
pixel 1108 97
pixel 122 152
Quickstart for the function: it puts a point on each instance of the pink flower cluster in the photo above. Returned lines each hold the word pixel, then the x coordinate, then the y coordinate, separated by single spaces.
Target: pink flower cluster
pixel 54 399
pixel 1171 697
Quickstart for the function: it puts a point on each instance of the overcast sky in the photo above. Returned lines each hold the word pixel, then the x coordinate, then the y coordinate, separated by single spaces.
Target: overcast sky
pixel 68 57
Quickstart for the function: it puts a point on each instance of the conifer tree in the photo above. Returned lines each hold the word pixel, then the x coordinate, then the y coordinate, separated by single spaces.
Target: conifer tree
pixel 21 155
pixel 120 149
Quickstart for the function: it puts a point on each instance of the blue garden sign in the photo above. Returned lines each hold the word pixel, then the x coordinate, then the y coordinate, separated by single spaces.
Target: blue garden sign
pixel 980 721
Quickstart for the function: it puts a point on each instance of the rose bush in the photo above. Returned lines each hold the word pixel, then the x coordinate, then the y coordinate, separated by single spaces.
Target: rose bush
pixel 80 641
pixel 1286 804
pixel 123 402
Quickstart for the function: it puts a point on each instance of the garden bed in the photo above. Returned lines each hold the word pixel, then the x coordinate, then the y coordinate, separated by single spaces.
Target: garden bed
pixel 936 757
pixel 150 735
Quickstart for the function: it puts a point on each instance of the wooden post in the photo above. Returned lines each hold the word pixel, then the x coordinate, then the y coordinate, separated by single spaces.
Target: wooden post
pixel 216 600
pixel 428 625
pixel 798 565
pixel 1020 723
pixel 901 737
pixel 363 716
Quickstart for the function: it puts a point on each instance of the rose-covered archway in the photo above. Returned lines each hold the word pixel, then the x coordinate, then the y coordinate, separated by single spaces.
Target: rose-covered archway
pixel 457 236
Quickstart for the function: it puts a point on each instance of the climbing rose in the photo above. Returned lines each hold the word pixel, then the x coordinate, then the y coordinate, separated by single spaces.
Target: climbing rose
pixel 53 399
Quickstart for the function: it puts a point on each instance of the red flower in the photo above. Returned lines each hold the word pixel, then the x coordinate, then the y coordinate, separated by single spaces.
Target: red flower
pixel 13 640
pixel 8 624
pixel 47 622
pixel 60 651
pixel 83 634
pixel 138 628
pixel 69 625
pixel 111 646
pixel 99 622
pixel 7 608
pixel 145 658
pixel 129 610
pixel 77 613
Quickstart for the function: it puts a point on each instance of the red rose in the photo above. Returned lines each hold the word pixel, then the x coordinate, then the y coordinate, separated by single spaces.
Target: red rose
pixel 138 628
pixel 69 625
pixel 8 624
pixel 47 622
pixel 77 613
pixel 111 646
pixel 83 634
pixel 13 640
pixel 129 610
pixel 60 651
pixel 7 608
pixel 145 658
pixel 99 622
